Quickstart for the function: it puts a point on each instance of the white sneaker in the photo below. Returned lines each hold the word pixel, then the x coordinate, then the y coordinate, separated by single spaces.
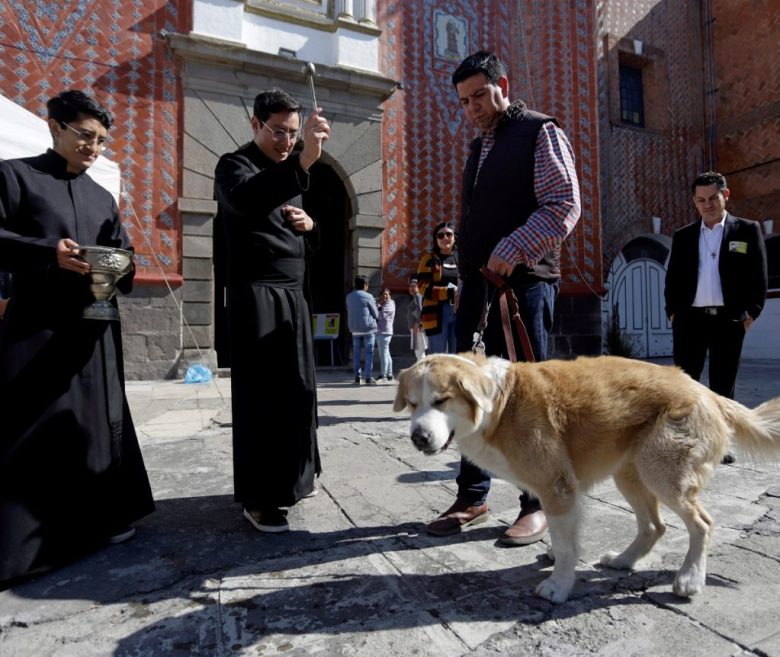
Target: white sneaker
pixel 273 521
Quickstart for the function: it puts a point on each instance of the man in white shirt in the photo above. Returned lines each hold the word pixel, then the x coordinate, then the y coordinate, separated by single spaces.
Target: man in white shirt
pixel 716 285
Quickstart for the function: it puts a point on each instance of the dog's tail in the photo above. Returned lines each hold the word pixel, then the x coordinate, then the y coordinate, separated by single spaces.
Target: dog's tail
pixel 756 431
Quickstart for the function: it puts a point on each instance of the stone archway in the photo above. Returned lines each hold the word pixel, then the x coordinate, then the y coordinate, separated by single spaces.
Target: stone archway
pixel 219 84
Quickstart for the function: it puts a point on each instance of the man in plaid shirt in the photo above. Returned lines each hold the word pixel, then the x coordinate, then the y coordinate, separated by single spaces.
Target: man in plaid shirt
pixel 520 199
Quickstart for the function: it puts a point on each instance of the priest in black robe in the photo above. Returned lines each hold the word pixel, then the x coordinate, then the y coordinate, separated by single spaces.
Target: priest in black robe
pixel 267 233
pixel 71 473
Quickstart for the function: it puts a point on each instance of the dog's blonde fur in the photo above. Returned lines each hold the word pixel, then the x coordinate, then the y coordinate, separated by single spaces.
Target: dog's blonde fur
pixel 557 427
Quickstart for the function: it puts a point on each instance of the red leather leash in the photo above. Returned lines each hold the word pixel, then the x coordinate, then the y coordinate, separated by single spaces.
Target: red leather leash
pixel 510 312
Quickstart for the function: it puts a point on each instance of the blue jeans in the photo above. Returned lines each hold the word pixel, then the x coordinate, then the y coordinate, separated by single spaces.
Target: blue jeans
pixel 385 360
pixel 536 303
pixel 444 342
pixel 358 343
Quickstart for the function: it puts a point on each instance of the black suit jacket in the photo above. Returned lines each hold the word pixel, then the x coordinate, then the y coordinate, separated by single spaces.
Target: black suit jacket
pixel 742 267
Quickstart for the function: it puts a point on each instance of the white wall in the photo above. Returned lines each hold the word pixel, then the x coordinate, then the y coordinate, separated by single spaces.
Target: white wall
pixel 353 44
pixel 24 134
pixel 222 19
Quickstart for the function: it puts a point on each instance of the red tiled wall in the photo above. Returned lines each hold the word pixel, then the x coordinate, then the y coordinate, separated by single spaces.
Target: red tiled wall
pixel 747 120
pixel 646 172
pixel 111 48
pixel 549 50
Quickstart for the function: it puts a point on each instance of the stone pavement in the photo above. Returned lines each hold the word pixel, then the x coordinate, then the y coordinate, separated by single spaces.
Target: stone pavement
pixel 357 576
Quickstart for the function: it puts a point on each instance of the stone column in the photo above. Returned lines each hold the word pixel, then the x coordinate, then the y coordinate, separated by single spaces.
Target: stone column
pixel 198 290
pixel 345 10
pixel 365 11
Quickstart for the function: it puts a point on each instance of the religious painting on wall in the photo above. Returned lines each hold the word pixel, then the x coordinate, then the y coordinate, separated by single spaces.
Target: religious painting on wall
pixel 450 35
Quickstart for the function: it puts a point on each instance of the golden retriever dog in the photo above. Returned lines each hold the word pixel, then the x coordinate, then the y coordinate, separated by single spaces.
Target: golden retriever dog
pixel 557 427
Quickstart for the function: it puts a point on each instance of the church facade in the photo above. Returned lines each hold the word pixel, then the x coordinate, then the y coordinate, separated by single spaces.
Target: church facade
pixel 648 91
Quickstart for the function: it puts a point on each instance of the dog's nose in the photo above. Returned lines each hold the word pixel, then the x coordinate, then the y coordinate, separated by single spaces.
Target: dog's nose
pixel 420 439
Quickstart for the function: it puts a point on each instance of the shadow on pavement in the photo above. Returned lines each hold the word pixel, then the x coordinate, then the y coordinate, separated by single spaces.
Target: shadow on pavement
pixel 203 576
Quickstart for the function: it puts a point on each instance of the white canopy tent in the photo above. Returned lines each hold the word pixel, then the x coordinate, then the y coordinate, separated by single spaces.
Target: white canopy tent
pixel 25 134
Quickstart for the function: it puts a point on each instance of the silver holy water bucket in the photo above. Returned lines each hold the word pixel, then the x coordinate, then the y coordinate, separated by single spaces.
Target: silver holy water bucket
pixel 108 265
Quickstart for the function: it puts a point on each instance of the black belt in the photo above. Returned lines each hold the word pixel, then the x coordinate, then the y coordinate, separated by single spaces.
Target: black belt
pixel 709 310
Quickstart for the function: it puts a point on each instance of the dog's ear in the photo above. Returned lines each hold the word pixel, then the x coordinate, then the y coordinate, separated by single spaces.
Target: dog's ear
pixel 478 389
pixel 400 394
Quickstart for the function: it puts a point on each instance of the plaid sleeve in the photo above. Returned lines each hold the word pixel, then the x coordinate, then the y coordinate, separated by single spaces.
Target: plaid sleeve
pixel 558 193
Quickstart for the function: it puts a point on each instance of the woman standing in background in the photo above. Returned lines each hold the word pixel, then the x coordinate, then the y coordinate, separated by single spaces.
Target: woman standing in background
pixel 437 278
pixel 414 320
pixel 386 307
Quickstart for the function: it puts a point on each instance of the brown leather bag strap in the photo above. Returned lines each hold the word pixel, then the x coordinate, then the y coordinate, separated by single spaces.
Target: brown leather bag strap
pixel 509 305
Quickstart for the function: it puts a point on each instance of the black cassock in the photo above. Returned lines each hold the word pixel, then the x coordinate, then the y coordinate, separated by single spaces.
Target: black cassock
pixel 275 454
pixel 71 471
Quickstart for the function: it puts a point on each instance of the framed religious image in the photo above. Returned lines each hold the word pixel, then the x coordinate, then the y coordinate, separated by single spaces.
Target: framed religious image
pixel 450 36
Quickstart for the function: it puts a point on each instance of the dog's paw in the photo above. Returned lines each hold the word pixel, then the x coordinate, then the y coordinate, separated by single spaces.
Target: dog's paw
pixel 618 560
pixel 554 591
pixel 688 584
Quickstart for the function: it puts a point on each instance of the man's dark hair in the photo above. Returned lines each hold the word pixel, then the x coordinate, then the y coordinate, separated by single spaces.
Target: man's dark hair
pixel 480 62
pixel 360 282
pixel 68 105
pixel 709 178
pixel 273 101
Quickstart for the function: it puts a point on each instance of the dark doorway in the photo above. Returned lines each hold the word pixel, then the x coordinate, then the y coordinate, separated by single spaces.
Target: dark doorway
pixel 328 273
pixel 329 270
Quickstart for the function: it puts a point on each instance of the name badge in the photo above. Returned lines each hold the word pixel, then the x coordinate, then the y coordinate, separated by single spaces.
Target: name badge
pixel 738 247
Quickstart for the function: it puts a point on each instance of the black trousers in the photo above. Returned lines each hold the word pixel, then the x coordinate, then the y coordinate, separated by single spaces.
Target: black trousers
pixel 697 334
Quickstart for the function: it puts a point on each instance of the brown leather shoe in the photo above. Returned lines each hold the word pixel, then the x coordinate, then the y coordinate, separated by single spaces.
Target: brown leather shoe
pixel 460 515
pixel 527 529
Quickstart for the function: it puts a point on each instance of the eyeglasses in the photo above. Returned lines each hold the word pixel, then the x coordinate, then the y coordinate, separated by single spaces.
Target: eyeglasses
pixel 441 236
pixel 88 137
pixel 279 135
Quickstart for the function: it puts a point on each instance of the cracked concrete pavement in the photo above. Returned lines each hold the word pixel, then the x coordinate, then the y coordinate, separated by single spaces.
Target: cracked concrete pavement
pixel 357 576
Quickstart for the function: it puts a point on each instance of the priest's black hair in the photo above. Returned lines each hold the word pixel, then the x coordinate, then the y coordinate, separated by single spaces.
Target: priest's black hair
pixel 273 101
pixel 66 107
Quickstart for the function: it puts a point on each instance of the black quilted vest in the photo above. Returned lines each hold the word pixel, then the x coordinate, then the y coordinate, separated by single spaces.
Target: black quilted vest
pixel 503 198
